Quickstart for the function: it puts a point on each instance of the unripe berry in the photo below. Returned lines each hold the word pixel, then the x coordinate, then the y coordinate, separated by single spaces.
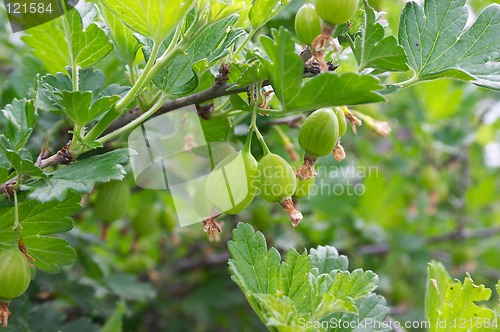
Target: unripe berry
pixel 277 178
pixel 342 120
pixel 112 201
pixel 317 137
pixel 15 274
pixel 278 183
pixel 336 11
pixel 233 183
pixel 307 24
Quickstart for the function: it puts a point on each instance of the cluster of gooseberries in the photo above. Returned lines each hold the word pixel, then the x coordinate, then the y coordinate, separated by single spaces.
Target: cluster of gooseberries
pixel 239 178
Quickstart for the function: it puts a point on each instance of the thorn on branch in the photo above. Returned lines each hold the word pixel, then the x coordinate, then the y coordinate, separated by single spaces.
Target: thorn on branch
pixel 44 153
pixel 64 156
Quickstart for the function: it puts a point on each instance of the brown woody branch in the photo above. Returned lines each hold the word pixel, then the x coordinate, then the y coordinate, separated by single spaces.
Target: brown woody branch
pixel 61 157
pixel 219 89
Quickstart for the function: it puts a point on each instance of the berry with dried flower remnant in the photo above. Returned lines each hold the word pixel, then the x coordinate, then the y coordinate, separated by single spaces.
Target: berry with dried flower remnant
pixel 307 24
pixel 231 186
pixel 317 137
pixel 278 183
pixel 15 277
pixel 15 273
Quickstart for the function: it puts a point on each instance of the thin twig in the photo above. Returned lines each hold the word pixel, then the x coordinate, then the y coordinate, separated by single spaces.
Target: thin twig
pixel 61 157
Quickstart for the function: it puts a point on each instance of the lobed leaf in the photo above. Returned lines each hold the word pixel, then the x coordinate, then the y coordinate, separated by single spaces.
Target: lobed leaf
pixel 154 19
pixel 79 177
pixel 180 78
pixel 20 117
pixel 264 10
pixel 285 68
pixel 254 268
pixel 326 259
pixel 448 302
pixel 84 49
pixel 289 294
pixel 373 49
pixel 40 221
pixel 125 44
pixel 438 44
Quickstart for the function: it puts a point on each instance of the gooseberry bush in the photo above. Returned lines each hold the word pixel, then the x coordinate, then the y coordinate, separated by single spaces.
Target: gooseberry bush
pixel 106 67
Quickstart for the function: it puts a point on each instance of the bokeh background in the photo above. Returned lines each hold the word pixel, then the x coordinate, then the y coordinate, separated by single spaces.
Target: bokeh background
pixel 432 192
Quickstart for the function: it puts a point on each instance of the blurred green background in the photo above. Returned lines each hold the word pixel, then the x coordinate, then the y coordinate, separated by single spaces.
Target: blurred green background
pixel 432 192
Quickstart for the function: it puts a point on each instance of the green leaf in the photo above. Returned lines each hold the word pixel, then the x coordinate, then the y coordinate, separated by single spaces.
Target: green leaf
pixel 372 311
pixel 254 268
pixel 88 46
pixel 125 44
pixel 279 312
pixel 48 44
pixel 449 301
pixel 264 10
pixel 21 118
pixel 80 176
pixel 40 221
pixel 91 101
pixel 295 279
pixel 84 49
pixel 346 288
pixel 244 74
pixel 437 44
pixel 180 78
pixel 285 68
pixel 302 294
pixel 326 259
pixel 154 19
pixel 115 322
pixel 373 50
pixel 216 130
pixel 78 105
pixel 21 162
pixel 220 9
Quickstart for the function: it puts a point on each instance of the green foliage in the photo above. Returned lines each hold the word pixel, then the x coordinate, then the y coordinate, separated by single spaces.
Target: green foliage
pixel 438 46
pixel 156 19
pixel 114 323
pixel 125 45
pixel 20 118
pixel 304 289
pixel 86 46
pixel 64 94
pixel 77 177
pixel 263 10
pixel 84 105
pixel 284 69
pixel 451 305
pixel 40 221
pixel 181 77
pixel 373 49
